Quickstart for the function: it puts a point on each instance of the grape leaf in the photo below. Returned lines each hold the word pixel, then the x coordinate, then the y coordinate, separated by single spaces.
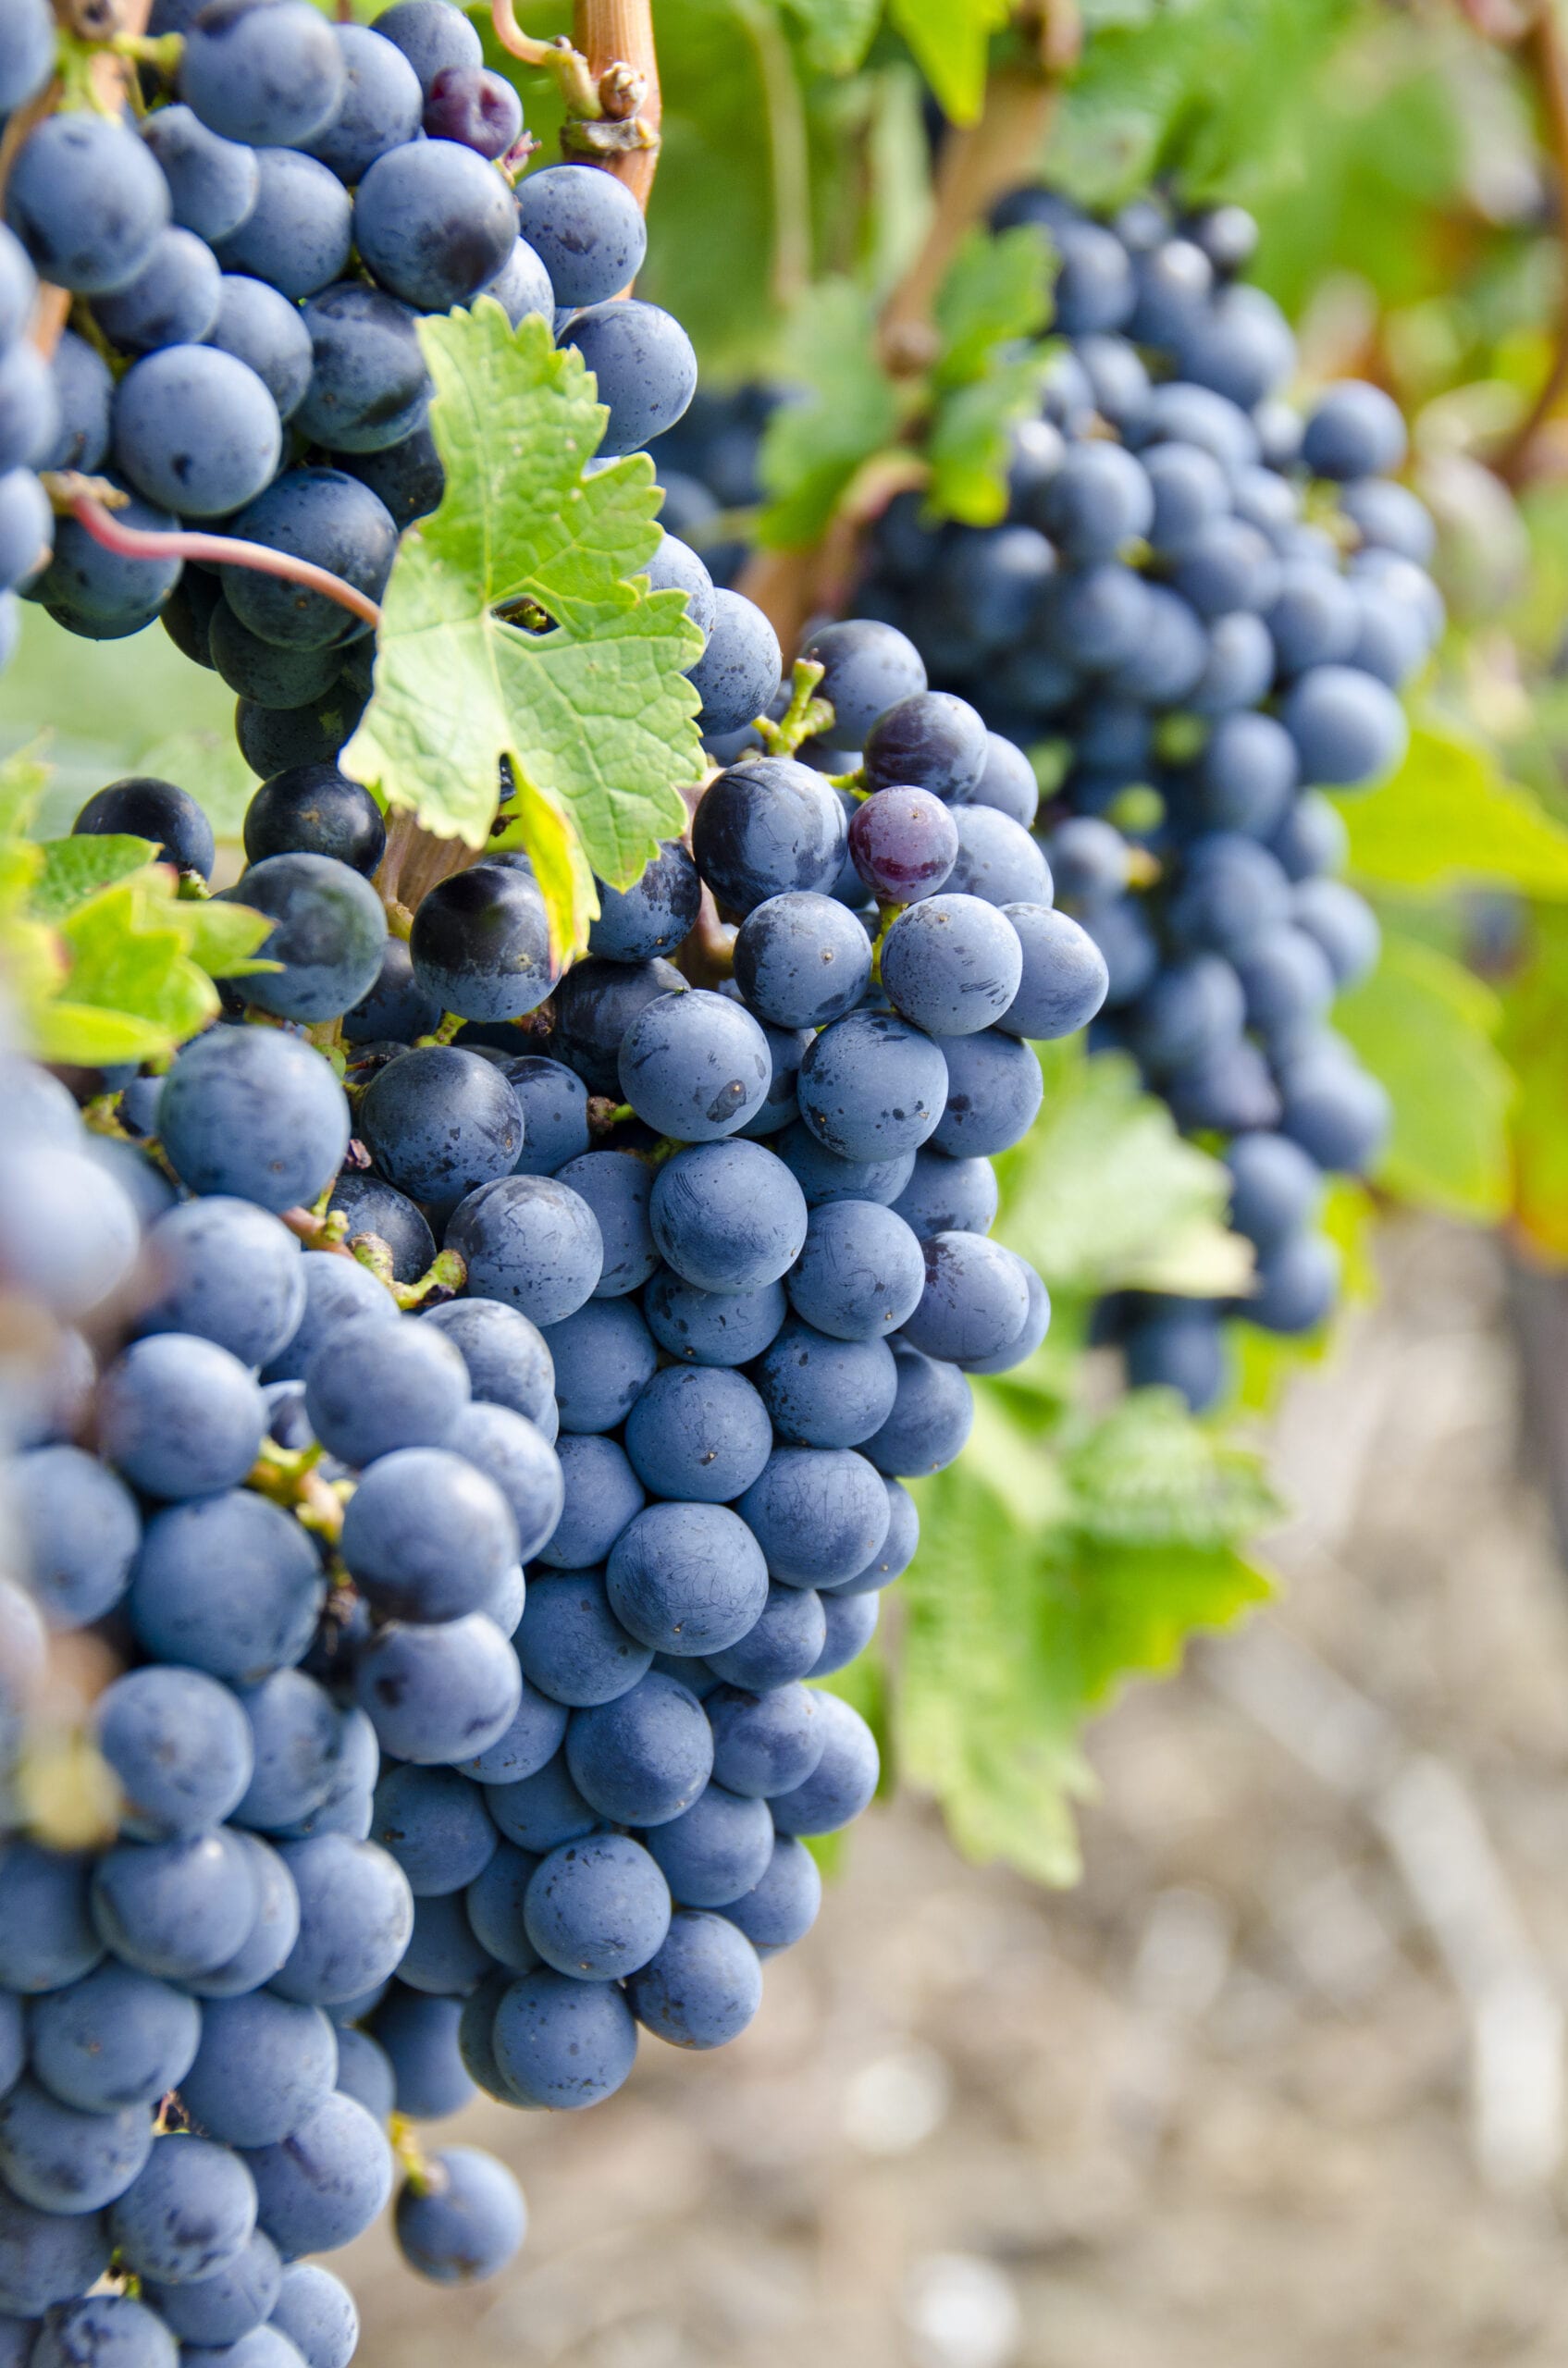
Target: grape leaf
pixel 593 712
pixel 997 288
pixel 837 33
pixel 847 412
pixel 970 443
pixel 1533 1005
pixel 1102 1193
pixel 74 870
pixel 1426 1028
pixel 1147 1475
pixel 951 40
pixel 1450 818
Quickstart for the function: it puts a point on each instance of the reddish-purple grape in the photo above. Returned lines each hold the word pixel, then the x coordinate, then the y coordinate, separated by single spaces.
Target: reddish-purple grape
pixel 472 106
pixel 904 842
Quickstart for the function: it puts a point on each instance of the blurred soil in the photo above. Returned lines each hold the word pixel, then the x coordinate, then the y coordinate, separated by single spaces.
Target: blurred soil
pixel 1280 2086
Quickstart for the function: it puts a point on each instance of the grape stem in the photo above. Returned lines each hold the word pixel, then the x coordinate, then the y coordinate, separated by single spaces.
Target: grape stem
pixel 803 717
pixel 608 80
pixel 1545 54
pixel 217 551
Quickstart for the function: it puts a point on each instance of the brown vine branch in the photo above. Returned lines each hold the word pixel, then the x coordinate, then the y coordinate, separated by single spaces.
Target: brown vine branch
pixel 616 37
pixel 218 550
pixel 1546 58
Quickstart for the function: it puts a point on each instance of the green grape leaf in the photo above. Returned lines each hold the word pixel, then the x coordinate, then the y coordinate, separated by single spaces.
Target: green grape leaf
pixel 220 937
pixel 951 41
pixel 970 443
pixel 1102 1193
pixel 1020 1621
pixel 996 289
pixel 593 710
pixel 127 956
pixel 84 1036
pixel 74 870
pixel 1448 818
pixel 1147 1475
pixel 836 33
pixel 848 413
pixel 1426 1029
pixel 1533 1004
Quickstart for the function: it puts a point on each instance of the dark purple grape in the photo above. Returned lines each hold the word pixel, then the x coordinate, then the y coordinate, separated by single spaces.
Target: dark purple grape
pixel 904 842
pixel 478 109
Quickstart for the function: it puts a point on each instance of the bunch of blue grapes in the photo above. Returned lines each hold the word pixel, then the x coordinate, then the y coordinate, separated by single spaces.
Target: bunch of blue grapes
pixel 471 1465
pixel 249 260
pixel 1198 613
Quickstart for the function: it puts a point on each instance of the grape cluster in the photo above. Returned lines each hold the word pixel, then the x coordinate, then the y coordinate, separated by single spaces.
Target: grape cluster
pixel 657 1290
pixel 1199 613
pixel 249 261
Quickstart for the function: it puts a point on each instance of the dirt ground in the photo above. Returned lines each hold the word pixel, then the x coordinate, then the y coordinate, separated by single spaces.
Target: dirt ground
pixel 1281 2083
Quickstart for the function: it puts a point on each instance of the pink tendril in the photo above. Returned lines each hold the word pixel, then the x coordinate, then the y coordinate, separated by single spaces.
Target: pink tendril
pixel 218 550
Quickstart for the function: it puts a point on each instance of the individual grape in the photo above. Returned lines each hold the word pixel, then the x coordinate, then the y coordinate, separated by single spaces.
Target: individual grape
pixel 850 1618
pixel 952 964
pixel 599 1908
pixel 675 567
pixel 313 2309
pixel 539 1812
pixel 866 668
pixel 1288 985
pixel 764 1743
pixel 698 1434
pixel 327 2183
pixel 824 1392
pixel 80 1530
pixel 842 1783
pixel 47 1937
pixel 511 1452
pixel 1342 924
pixel 373 1208
pixel 564 2043
pixel 324 516
pixel 431 35
pixel 381 106
pixel 571 1645
pixel 222 2308
pixel 336 1289
pixel 643 368
pixel 262 2348
pixel 975 1301
pixel 151 809
pixel 50 2257
pixel 595 1003
pixel 433 223
pixel 83 392
pixel 263 2066
pixel 872 1087
pixel 933 1415
pixel 426 1535
pixel 176 1909
pixel 115 2039
pixel 60 2159
pixel 87 201
pixel 531 1242
pixel 269 74
pixel 1022 1343
pixel 439 1122
pixel 31 39
pixel 782 1907
pixel 823 1176
pixel 644 1758
pixel 801 960
pixel 29 412
pixel 180 1745
pixel 435 1824
pixel 254 1112
pixel 930 741
pixel 1176 1344
pixel 728 1216
pixel 274 740
pixel 602 1493
pixel 1296 1285
pixel 587 230
pixel 368 385
pixel 494 1906
pixel 356 1913
pixel 860 1273
pixel 369 1390
pixel 1274 1187
pixel 481 943
pixel 684 1577
pixel 704 1986
pixel 783 1643
pixel 904 844
pixel 521 286
pixel 329 933
pixel 714 1852
pixel 439 1692
pixel 172 300
pixel 655 913
pixel 296 1735
pixel 68 1229
pixel 104 2331
pixel 1389 517
pixel 1355 431
pixel 603 1356
pixel 476 108
pixel 1335 1111
pixel 1349 729
pixel 95 592
pixel 180 1416
pixel 260 327
pixel 418 2035
pixel 948 1196
pixel 819 1514
pixel 298 236
pixel 713 1328
pixel 694 1066
pixel 211 182
pixel 268 1621
pixel 737 678
pixel 617 1188
pixel 768 829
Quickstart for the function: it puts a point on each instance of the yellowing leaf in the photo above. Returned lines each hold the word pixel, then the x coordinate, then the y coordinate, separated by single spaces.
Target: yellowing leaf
pixel 1448 818
pixel 593 711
